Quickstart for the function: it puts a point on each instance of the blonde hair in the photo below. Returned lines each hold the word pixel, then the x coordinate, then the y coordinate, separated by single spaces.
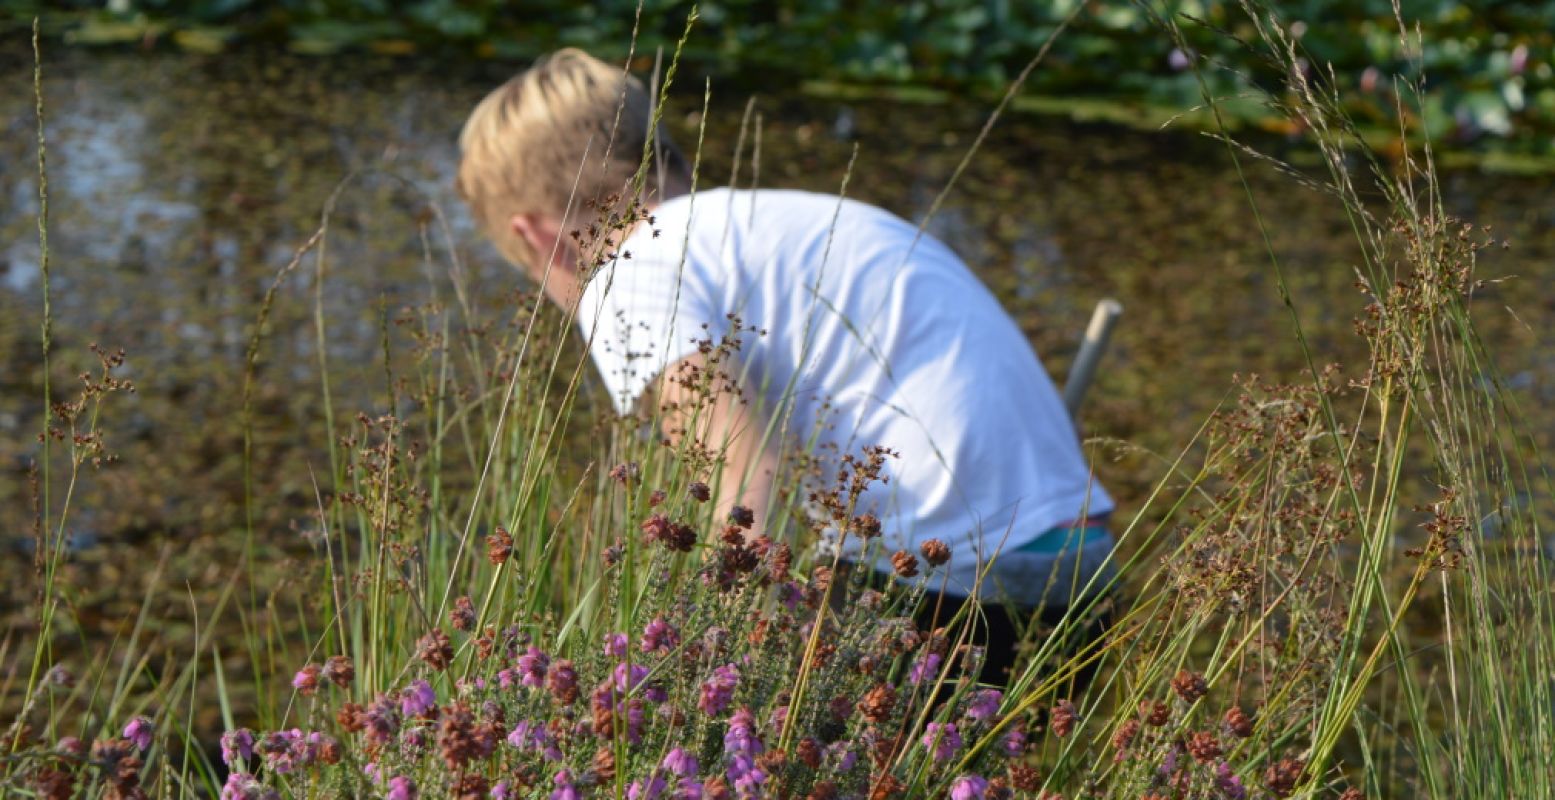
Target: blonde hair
pixel 530 141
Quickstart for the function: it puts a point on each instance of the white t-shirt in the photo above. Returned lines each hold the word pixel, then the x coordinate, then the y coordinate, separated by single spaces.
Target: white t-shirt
pixel 871 338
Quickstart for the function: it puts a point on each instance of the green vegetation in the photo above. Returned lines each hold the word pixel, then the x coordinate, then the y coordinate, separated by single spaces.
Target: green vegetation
pixel 1492 64
pixel 1336 589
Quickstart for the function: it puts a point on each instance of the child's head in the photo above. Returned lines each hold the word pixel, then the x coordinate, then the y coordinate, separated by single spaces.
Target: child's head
pixel 546 131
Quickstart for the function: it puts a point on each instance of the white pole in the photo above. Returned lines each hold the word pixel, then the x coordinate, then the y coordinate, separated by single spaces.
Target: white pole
pixel 1092 347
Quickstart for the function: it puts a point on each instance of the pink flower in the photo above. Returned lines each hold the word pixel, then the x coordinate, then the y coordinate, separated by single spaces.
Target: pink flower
pixel 968 787
pixel 924 668
pixel 942 739
pixel 1014 743
pixel 564 788
pixel 532 666
pixel 984 705
pixel 659 636
pixel 401 788
pixel 139 731
pixel 680 763
pixel 741 737
pixel 718 691
pixel 237 746
pixel 615 645
pixel 306 680
pixel 240 786
pixel 1228 783
pixel 646 790
pixel 417 699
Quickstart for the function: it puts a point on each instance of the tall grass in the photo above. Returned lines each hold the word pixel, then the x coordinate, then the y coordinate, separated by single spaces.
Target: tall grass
pixel 486 616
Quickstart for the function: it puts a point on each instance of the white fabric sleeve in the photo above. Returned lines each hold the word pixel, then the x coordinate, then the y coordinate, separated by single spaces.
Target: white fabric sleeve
pixel 648 313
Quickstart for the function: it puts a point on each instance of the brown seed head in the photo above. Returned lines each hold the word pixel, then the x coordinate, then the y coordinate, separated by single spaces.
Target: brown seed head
pixel 499 545
pixel 470 786
pixel 809 752
pixel 1283 777
pixel 1204 747
pixel 885 787
pixel 462 616
pixel 605 764
pixel 1062 718
pixel 1155 712
pixel 822 790
pixel 699 492
pixel 905 564
pixel 1025 777
pixel 340 671
pixel 878 703
pixel 1190 686
pixel 1125 736
pixel 349 717
pixel 1238 723
pixel 867 526
pixel 435 649
pixel 935 552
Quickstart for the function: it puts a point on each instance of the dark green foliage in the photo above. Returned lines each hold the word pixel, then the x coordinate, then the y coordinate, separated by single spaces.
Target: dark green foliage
pixel 1490 62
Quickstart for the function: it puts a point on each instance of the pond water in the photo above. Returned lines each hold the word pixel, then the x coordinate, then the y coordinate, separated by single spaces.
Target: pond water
pixel 179 185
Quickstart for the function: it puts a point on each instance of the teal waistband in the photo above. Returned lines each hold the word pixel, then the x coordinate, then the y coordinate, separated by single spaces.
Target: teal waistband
pixel 1055 540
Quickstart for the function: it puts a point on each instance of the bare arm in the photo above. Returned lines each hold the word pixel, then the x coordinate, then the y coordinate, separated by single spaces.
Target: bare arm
pixel 728 428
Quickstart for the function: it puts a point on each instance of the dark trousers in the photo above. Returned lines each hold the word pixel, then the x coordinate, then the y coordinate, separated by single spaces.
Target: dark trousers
pixel 999 633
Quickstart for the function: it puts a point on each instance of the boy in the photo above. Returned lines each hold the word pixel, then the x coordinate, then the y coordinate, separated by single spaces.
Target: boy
pixel 871 335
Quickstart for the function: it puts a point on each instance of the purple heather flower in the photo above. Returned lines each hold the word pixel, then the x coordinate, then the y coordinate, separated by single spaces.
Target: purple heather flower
pixel 1014 743
pixel 659 636
pixel 925 668
pixel 688 789
pixel 564 788
pixel 139 731
pixel 942 739
pixel 417 699
pixel 615 645
pixel 401 788
pixel 776 720
pixel 502 791
pixel 528 735
pixel 382 721
pixel 1178 60
pixel 634 722
pixel 282 752
pixel 237 746
pixel 1169 764
pixel 241 786
pixel 373 772
pixel 741 738
pixel 680 763
pixel 627 676
pixel 507 678
pixel 968 787
pixel 532 666
pixel 306 680
pixel 648 789
pixel 413 742
pixel 1228 783
pixel 845 757
pixel 985 704
pixel 790 595
pixel 718 691
pixel 748 778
